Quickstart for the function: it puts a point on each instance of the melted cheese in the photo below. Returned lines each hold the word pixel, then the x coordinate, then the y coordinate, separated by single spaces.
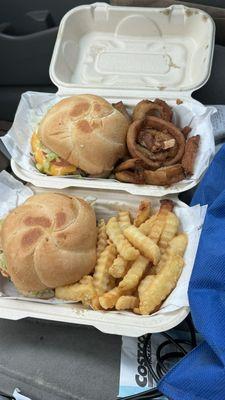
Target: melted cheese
pixel 48 166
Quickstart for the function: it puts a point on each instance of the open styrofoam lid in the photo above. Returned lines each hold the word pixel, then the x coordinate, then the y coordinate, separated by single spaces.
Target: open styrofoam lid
pixel 133 49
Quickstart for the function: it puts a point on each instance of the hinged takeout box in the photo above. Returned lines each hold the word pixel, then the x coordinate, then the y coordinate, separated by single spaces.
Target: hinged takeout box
pixel 174 309
pixel 128 54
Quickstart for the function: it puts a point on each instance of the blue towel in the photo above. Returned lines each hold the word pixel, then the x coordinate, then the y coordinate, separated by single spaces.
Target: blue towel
pixel 201 374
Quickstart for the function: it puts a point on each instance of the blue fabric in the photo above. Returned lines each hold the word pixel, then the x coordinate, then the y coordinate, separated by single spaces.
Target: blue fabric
pixel 201 374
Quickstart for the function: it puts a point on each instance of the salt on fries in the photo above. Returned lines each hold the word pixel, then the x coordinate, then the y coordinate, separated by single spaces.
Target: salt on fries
pixel 138 265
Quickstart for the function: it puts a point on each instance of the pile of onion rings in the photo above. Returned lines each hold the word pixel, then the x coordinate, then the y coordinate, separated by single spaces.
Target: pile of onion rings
pixel 160 153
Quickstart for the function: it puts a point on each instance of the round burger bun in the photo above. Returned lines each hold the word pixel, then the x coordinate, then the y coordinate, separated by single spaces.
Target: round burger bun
pixel 49 241
pixel 86 131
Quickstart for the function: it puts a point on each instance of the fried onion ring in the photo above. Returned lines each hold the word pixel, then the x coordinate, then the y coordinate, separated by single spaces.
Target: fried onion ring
pixel 148 140
pixel 132 163
pixel 130 177
pixel 165 176
pixel 157 108
pixel 186 130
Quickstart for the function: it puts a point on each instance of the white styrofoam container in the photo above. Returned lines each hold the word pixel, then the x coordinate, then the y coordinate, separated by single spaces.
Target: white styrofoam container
pixel 115 324
pixel 131 53
pixel 125 323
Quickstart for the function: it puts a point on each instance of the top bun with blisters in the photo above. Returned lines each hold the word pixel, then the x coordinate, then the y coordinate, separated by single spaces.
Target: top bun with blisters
pixel 86 131
pixel 49 241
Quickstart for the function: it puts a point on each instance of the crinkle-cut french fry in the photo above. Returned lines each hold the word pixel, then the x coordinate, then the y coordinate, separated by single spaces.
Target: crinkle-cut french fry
pixel 176 246
pixel 134 275
pixel 170 230
pixel 161 263
pixel 145 228
pixel 127 303
pixel 155 288
pixel 145 283
pixel 124 219
pixel 101 277
pixel 83 291
pixel 95 303
pixel 146 246
pixel 119 267
pixel 124 248
pixel 160 222
pixel 143 213
pixel 102 237
pixel 142 288
pixel 157 228
pixel 166 204
pixel 109 299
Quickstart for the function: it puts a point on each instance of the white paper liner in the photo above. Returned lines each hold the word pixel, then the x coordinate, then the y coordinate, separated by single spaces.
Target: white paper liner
pixel 14 193
pixel 34 105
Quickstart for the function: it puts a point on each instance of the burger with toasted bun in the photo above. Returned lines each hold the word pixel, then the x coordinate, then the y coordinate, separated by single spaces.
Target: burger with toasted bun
pixel 48 241
pixel 80 134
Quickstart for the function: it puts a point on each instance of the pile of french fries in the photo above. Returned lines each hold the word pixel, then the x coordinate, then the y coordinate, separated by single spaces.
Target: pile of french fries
pixel 138 262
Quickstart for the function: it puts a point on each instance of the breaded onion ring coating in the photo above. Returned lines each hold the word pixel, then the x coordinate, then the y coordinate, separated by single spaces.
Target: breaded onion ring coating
pixel 157 108
pixel 135 177
pixel 186 130
pixel 148 139
pixel 165 176
pixel 131 163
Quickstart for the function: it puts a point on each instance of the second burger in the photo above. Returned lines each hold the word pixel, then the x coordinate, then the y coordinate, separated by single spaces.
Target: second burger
pixel 48 241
